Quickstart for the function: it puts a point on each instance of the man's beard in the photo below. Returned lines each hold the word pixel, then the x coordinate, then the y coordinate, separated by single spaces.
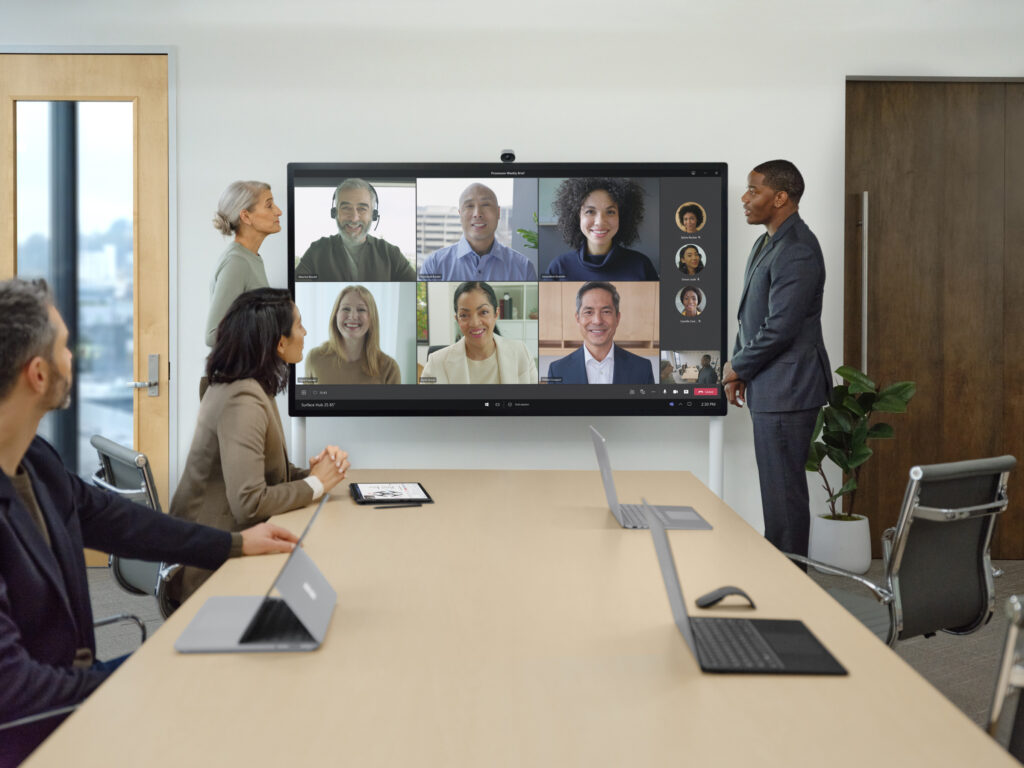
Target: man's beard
pixel 348 240
pixel 58 393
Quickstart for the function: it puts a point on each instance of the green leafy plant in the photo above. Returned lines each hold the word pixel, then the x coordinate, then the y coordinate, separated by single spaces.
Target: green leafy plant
pixel 845 429
pixel 529 236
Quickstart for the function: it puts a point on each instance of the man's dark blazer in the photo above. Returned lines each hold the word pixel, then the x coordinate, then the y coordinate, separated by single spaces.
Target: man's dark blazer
pixel 629 368
pixel 45 613
pixel 779 350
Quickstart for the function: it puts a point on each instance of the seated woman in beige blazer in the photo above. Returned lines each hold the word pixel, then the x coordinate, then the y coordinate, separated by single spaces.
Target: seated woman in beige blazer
pixel 237 473
pixel 352 354
pixel 481 356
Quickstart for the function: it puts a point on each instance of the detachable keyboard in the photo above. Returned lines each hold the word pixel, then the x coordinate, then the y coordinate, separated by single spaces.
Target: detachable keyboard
pixel 275 622
pixel 633 515
pixel 732 645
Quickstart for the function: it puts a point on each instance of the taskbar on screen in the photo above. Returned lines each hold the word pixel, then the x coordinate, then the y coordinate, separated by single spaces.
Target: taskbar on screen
pixel 526 400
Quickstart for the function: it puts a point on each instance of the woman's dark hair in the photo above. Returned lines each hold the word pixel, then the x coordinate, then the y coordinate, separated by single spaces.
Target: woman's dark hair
pixel 690 289
pixel 477 285
pixel 683 265
pixel 695 210
pixel 247 338
pixel 627 194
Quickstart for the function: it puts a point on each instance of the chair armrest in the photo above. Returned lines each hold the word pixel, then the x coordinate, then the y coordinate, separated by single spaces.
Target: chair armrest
pixel 123 617
pixel 28 719
pixel 882 594
pixel 47 714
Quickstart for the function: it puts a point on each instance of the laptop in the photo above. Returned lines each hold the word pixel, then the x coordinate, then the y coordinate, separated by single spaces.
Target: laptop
pixel 758 646
pixel 295 621
pixel 630 515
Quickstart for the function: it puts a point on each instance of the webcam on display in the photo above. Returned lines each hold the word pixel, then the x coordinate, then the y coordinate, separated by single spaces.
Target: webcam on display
pixel 508 156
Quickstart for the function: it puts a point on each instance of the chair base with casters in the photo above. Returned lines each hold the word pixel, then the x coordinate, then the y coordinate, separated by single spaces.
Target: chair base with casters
pixel 126 473
pixel 937 567
pixel 59 711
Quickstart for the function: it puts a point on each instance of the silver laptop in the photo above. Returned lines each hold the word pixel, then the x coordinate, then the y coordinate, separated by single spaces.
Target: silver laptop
pixel 295 621
pixel 752 646
pixel 630 515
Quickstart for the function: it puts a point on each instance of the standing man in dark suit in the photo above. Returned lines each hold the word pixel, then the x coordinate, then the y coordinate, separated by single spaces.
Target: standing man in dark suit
pixel 599 360
pixel 779 364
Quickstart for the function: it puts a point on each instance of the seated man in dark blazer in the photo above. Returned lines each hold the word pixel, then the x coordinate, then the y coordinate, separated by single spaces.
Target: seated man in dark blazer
pixel 47 514
pixel 599 360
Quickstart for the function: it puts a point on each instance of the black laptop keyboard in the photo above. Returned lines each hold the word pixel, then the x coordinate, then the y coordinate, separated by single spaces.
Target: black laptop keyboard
pixel 732 645
pixel 275 622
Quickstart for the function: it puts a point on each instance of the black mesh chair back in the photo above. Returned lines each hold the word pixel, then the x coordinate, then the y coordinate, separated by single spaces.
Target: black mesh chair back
pixel 939 567
pixel 127 473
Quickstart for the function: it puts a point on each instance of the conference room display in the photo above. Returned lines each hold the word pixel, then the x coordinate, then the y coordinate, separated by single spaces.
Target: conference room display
pixel 469 289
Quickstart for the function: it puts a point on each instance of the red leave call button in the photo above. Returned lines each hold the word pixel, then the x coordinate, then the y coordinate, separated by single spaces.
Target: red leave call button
pixel 706 391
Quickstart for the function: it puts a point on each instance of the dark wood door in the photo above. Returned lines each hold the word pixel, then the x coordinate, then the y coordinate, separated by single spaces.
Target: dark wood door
pixel 942 164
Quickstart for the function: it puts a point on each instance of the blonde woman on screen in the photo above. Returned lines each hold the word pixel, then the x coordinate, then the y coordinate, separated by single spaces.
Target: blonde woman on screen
pixel 352 353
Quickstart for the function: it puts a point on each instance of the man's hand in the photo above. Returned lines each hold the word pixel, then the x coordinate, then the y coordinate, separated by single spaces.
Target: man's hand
pixel 266 539
pixel 735 388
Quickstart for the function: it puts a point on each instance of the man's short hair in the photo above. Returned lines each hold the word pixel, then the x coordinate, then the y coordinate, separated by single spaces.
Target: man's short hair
pixel 597 284
pixel 782 176
pixel 705 357
pixel 25 328
pixel 357 184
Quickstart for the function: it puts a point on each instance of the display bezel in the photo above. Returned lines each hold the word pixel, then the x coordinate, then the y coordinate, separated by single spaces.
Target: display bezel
pixel 511 399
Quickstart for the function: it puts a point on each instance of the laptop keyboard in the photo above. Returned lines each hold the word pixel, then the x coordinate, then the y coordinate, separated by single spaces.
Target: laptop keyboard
pixel 275 622
pixel 633 515
pixel 732 644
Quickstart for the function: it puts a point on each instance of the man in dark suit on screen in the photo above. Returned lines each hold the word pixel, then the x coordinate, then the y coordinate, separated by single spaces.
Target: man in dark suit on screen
pixel 599 360
pixel 779 365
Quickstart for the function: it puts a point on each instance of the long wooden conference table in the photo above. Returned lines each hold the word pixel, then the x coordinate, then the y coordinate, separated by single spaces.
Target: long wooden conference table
pixel 513 623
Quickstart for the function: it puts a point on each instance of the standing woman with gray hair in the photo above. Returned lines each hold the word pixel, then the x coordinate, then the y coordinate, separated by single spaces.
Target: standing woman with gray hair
pixel 247 211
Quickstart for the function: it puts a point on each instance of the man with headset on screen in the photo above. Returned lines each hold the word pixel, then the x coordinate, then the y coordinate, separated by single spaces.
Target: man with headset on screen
pixel 779 364
pixel 477 255
pixel 599 360
pixel 354 254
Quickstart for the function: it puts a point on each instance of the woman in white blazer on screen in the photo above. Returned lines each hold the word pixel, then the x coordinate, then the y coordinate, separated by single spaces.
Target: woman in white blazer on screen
pixel 481 356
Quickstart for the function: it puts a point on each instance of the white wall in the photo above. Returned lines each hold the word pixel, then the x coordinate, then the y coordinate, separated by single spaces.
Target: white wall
pixel 263 83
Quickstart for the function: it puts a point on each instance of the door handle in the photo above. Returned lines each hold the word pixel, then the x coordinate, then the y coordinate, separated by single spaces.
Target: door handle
pixel 153 385
pixel 864 281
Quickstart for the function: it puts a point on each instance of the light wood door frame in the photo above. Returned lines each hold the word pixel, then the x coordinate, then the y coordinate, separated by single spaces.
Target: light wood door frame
pixel 143 79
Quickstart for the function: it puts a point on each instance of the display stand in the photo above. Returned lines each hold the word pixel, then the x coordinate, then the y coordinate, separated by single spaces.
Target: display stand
pixel 716 455
pixel 716 450
pixel 299 441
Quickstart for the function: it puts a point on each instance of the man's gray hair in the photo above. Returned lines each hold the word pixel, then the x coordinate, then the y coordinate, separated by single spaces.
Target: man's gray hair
pixel 357 184
pixel 25 328
pixel 597 284
pixel 239 196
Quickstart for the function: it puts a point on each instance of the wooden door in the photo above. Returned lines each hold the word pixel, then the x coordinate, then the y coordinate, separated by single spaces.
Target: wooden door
pixel 141 80
pixel 943 279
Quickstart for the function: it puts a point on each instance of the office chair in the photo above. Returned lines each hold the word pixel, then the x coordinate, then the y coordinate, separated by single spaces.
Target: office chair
pixel 57 712
pixel 1006 720
pixel 127 473
pixel 938 572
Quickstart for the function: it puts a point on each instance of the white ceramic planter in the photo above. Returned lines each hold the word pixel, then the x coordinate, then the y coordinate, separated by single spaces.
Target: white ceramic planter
pixel 843 543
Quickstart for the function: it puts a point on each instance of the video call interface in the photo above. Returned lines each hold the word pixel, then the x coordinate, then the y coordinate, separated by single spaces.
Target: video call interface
pixel 508 289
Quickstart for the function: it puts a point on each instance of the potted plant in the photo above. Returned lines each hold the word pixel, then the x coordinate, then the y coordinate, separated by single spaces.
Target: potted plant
pixel 841 538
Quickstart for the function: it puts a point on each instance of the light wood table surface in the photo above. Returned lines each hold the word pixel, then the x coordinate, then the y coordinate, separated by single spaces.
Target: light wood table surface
pixel 513 623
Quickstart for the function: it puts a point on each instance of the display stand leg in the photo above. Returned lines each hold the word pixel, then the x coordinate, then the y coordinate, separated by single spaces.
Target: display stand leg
pixel 299 441
pixel 716 454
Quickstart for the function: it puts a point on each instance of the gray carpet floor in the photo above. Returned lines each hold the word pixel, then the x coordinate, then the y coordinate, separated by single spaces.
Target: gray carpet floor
pixel 962 668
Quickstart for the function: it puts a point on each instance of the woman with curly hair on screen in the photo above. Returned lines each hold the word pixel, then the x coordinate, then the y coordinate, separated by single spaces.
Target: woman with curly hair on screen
pixel 598 218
